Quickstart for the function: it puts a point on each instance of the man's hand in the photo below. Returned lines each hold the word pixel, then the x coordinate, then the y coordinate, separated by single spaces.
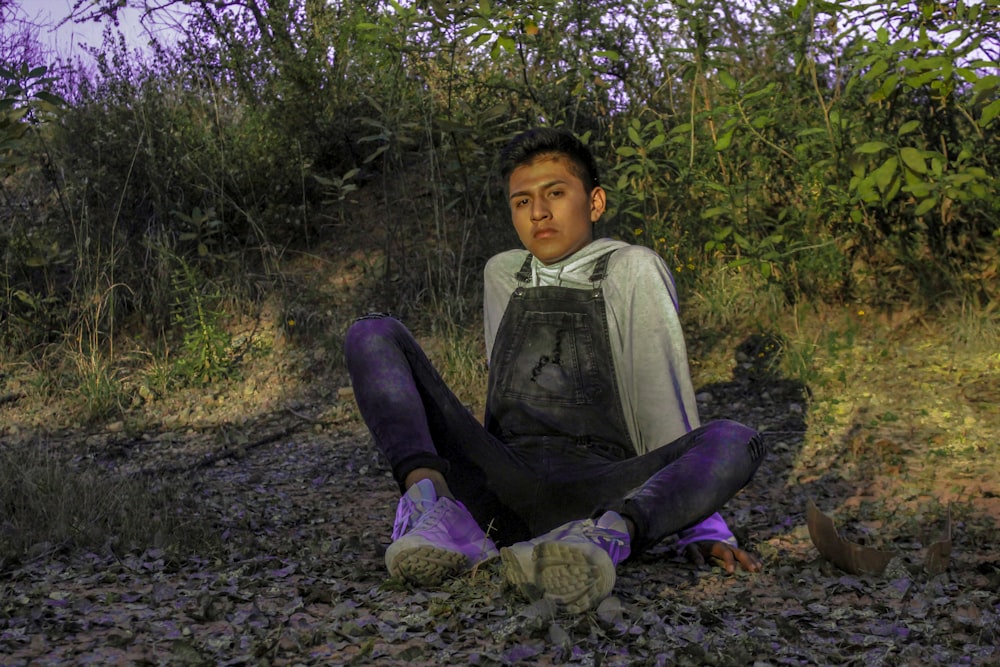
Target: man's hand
pixel 725 555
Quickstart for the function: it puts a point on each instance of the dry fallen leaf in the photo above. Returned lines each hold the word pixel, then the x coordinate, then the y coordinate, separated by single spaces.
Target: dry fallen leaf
pixel 848 556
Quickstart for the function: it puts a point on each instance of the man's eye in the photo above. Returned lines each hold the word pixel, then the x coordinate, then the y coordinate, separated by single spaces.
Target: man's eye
pixel 556 193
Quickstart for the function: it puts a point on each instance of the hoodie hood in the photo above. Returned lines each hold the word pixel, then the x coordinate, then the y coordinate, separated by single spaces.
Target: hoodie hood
pixel 575 270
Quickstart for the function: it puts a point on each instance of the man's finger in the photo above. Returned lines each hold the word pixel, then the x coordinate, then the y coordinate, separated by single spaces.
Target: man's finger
pixel 748 561
pixel 727 560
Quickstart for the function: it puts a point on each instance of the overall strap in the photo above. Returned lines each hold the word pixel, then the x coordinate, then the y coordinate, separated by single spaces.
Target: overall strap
pixel 524 273
pixel 601 268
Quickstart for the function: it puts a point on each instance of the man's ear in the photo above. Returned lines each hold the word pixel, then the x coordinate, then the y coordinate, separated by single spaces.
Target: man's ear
pixel 598 202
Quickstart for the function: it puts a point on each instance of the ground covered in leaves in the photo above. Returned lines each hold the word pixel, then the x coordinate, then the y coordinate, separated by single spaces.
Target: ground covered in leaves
pixel 900 429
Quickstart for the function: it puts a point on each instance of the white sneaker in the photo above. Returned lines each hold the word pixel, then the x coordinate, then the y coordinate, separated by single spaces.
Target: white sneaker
pixel 434 538
pixel 572 565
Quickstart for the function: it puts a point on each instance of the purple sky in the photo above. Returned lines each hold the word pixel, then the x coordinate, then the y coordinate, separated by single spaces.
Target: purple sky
pixel 64 40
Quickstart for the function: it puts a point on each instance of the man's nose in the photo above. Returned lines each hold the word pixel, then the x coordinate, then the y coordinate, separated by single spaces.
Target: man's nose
pixel 539 209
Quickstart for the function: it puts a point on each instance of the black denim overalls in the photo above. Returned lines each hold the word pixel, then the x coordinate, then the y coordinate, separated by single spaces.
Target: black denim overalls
pixel 552 378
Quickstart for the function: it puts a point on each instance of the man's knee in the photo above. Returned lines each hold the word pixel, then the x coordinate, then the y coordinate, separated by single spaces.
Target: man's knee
pixel 736 434
pixel 370 331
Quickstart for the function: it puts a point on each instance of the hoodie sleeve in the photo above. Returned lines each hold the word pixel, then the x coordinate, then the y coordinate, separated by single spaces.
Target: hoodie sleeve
pixel 712 529
pixel 498 283
pixel 650 355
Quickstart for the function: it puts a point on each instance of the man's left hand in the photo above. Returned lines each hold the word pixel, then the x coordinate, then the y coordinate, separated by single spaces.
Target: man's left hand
pixel 726 555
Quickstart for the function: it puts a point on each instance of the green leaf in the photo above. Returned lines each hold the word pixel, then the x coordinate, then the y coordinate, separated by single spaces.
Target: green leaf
pixel 913 159
pixel 481 39
pixel 871 147
pixel 989 113
pixel 626 151
pixel 727 80
pixel 884 174
pixel 894 186
pixel 725 140
pixel 507 43
pixel 878 69
pixel 378 151
pixel 633 134
pixel 25 298
pixel 986 83
pixel 908 127
pixel 924 206
pixel 918 190
pixel 918 80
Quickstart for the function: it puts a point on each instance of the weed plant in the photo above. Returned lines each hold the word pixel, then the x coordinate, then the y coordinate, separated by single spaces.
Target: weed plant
pixel 205 349
pixel 99 388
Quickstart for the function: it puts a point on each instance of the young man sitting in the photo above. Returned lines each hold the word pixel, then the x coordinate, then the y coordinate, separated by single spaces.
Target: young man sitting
pixel 591 447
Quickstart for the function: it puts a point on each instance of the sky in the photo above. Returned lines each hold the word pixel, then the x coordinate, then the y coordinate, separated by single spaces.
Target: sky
pixel 64 40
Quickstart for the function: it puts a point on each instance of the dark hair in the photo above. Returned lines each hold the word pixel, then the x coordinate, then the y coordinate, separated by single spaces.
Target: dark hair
pixel 526 147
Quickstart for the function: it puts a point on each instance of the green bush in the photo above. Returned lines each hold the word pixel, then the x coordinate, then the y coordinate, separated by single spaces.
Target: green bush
pixel 834 161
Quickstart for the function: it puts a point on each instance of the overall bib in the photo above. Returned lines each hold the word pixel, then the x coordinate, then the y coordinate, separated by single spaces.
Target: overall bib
pixel 552 379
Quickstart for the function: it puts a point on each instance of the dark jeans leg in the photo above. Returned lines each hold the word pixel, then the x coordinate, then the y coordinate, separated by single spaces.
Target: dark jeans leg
pixel 720 459
pixel 663 491
pixel 417 422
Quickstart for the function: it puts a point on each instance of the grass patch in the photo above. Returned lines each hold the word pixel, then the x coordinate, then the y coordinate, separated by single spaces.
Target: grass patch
pixel 49 504
pixel 458 354
pixel 729 299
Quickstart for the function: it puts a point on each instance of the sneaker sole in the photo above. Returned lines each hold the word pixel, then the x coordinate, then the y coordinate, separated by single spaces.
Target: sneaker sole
pixel 576 576
pixel 423 565
pixel 518 569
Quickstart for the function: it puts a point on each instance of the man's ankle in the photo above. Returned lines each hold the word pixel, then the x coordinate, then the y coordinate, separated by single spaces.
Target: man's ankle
pixel 631 528
pixel 436 478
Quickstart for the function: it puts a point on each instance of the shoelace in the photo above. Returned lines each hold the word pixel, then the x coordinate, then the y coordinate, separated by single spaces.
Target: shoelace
pixel 408 512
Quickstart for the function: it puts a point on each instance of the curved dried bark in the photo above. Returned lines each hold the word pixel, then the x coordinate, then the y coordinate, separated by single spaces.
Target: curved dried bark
pixel 848 556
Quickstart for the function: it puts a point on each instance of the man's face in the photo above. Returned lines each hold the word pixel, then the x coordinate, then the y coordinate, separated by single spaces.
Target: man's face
pixel 553 213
